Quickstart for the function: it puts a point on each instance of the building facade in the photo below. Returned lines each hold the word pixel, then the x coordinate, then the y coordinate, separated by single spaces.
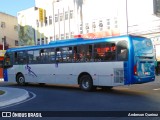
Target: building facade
pixel 8 31
pixel 63 19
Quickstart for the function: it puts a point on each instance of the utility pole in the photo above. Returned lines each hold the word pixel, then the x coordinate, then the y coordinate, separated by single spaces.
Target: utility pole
pixel 126 16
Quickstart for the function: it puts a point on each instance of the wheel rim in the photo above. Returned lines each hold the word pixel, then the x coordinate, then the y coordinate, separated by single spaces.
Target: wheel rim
pixel 85 83
pixel 21 80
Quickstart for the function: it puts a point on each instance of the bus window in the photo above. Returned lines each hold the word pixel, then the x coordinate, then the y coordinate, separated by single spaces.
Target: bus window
pixel 85 53
pixel 44 55
pixel 122 51
pixel 58 55
pixel 67 54
pixel 30 56
pixel 52 55
pixel 104 52
pixel 76 55
pixel 20 57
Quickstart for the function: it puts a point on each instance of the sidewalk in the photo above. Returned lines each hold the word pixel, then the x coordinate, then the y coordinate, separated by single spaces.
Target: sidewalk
pixel 12 95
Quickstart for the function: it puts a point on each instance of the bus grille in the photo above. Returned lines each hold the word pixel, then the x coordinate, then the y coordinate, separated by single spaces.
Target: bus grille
pixel 118 75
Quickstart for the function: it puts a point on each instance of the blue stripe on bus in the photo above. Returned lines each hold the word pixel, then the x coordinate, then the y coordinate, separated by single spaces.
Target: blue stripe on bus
pixel 5 74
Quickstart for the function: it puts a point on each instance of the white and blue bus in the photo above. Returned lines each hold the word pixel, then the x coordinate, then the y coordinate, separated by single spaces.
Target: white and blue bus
pixel 89 63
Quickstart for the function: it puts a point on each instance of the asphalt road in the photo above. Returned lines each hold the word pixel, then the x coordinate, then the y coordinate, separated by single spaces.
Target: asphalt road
pixel 142 97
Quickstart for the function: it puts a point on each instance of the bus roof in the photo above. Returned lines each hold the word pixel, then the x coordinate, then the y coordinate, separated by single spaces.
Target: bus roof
pixel 69 42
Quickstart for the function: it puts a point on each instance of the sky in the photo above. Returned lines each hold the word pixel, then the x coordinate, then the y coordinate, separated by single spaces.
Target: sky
pixel 11 7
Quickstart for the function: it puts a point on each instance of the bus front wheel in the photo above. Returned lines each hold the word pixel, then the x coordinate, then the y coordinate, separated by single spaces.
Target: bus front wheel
pixel 20 79
pixel 86 83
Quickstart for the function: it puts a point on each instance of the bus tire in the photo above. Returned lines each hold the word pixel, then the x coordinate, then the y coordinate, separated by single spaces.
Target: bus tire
pixel 20 79
pixel 86 83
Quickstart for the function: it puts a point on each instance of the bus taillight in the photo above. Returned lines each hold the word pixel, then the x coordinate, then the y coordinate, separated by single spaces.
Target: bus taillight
pixel 135 70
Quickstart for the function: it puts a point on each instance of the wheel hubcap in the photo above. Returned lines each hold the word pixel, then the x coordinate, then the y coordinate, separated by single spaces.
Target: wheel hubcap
pixel 85 84
pixel 21 80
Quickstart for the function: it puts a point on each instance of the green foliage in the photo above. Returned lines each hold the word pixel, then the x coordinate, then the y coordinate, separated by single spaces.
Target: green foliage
pixel 26 35
pixel 1 92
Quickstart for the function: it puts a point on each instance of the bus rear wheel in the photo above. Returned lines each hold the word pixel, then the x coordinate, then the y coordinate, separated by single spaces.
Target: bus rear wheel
pixel 86 83
pixel 20 79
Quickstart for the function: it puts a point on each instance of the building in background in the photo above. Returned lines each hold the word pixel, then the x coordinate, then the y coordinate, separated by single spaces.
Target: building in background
pixel 8 31
pixel 53 20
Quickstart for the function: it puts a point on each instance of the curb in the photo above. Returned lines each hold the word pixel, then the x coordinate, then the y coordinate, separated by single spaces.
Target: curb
pixel 12 95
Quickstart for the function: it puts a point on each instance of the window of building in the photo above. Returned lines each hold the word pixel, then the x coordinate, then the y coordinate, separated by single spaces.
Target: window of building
pixel 37 23
pixel 61 16
pixel 101 25
pixel 56 17
pixel 42 41
pixel 57 37
pixel 156 7
pixel 3 24
pixel 72 35
pixel 38 41
pixel 62 36
pixel 108 23
pixel 41 24
pixel 66 15
pixel 46 40
pixel 115 23
pixel 81 28
pixel 16 43
pixel 46 21
pixel 51 38
pixel 67 35
pixel 87 27
pixel 50 20
pixel 71 14
pixel 15 27
pixel 94 26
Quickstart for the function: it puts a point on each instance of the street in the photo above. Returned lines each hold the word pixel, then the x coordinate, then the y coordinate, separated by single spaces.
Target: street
pixel 141 97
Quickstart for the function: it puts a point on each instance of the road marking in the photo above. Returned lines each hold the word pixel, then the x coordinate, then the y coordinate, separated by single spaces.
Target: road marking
pixel 33 96
pixel 157 89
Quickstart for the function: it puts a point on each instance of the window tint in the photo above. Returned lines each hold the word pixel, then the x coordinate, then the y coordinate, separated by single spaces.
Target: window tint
pixel 67 54
pixel 51 55
pixel 34 57
pixel 58 55
pixel 122 51
pixel 44 55
pixel 104 52
pixel 82 53
pixel 20 57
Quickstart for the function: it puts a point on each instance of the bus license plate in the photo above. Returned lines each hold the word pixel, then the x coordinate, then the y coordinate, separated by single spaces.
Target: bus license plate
pixel 147 73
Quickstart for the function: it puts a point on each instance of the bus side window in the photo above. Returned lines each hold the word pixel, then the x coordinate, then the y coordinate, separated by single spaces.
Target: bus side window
pixel 15 58
pixel 67 54
pixel 76 56
pixel 51 55
pixel 122 51
pixel 58 55
pixel 44 56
